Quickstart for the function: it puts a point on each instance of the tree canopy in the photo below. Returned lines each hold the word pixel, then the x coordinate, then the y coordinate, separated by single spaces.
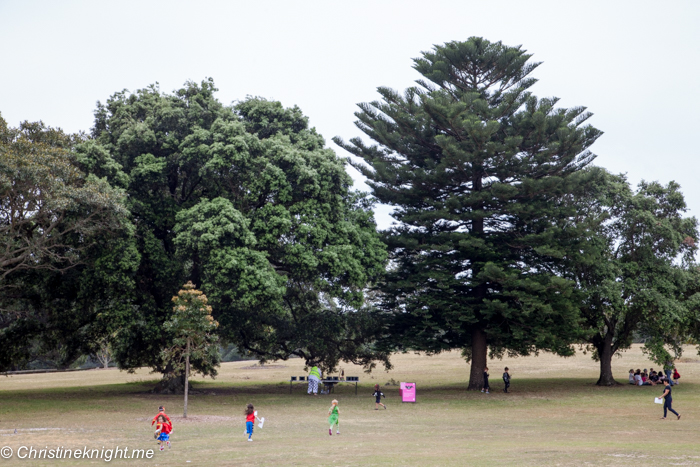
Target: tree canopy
pixel 634 269
pixel 247 203
pixel 67 250
pixel 477 168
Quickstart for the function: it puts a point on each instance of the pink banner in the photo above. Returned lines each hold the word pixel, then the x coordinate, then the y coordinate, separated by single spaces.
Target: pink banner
pixel 408 392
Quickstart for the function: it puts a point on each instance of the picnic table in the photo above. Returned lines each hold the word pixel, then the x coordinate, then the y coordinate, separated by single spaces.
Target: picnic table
pixel 328 383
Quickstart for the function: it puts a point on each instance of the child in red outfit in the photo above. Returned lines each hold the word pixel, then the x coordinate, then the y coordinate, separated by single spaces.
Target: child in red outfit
pixel 250 416
pixel 161 411
pixel 163 430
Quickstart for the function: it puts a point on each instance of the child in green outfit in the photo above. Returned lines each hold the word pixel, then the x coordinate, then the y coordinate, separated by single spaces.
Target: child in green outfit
pixel 333 414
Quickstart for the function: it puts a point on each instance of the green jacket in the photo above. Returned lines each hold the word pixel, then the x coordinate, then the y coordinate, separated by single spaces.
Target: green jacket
pixel 315 372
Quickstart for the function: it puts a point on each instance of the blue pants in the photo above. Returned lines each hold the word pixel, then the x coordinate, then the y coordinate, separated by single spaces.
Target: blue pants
pixel 668 376
pixel 249 428
pixel 667 405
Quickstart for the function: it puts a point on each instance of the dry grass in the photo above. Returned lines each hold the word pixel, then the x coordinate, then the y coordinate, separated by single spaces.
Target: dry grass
pixel 554 416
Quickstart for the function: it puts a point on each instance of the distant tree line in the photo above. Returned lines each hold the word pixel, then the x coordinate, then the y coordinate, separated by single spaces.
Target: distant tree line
pixel 508 240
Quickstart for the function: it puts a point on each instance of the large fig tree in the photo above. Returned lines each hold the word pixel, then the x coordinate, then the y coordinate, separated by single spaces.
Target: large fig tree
pixel 247 203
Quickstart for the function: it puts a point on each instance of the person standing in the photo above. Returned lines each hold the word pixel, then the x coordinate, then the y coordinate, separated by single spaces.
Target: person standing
pixel 506 380
pixel 668 370
pixel 486 380
pixel 314 379
pixel 668 400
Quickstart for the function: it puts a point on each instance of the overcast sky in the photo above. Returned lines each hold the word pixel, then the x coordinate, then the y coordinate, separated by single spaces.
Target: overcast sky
pixel 635 65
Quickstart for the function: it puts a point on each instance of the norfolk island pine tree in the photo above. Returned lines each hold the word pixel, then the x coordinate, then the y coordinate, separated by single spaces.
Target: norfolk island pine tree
pixel 477 168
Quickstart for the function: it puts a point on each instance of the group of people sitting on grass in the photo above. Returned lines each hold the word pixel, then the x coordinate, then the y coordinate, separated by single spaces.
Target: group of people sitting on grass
pixel 652 378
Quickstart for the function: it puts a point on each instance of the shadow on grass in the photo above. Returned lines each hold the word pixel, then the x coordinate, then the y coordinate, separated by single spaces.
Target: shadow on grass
pixel 529 388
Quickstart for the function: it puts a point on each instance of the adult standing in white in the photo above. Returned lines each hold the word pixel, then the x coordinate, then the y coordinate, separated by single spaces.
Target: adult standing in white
pixel 314 379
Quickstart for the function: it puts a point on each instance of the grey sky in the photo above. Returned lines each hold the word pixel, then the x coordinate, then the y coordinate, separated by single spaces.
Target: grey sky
pixel 635 65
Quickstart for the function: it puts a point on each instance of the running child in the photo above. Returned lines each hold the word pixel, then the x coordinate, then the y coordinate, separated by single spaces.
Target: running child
pixel 378 394
pixel 161 411
pixel 333 414
pixel 506 380
pixel 250 417
pixel 163 430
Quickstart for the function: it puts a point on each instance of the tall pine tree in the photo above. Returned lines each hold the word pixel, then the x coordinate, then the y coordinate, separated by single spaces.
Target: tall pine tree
pixel 477 168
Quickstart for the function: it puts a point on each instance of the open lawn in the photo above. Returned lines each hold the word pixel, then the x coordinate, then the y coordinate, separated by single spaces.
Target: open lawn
pixel 554 416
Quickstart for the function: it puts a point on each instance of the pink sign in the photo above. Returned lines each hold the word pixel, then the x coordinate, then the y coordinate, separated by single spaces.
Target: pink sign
pixel 408 392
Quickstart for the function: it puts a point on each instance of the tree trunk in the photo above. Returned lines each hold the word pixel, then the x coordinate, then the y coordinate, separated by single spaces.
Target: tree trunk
pixel 605 353
pixel 172 385
pixel 187 375
pixel 479 353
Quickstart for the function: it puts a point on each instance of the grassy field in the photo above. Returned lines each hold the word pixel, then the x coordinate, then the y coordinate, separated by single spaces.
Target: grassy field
pixel 555 415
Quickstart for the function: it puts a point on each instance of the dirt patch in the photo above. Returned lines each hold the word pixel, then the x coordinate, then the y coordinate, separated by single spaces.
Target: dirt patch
pixel 202 419
pixel 195 419
pixel 20 431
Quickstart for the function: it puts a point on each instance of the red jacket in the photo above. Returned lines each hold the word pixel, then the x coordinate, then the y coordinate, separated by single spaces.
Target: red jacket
pixel 165 427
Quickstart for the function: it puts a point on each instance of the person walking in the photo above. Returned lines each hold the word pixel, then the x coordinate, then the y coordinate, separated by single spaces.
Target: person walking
pixel 314 379
pixel 668 400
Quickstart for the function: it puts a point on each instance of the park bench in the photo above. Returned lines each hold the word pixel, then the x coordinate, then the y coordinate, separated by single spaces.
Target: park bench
pixel 329 382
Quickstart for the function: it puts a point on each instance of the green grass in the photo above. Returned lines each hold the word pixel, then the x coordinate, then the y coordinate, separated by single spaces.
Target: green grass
pixel 554 416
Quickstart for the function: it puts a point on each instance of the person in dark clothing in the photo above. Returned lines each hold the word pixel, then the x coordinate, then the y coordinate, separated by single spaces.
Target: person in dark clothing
pixel 506 380
pixel 668 400
pixel 668 369
pixel 486 381
pixel 378 394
